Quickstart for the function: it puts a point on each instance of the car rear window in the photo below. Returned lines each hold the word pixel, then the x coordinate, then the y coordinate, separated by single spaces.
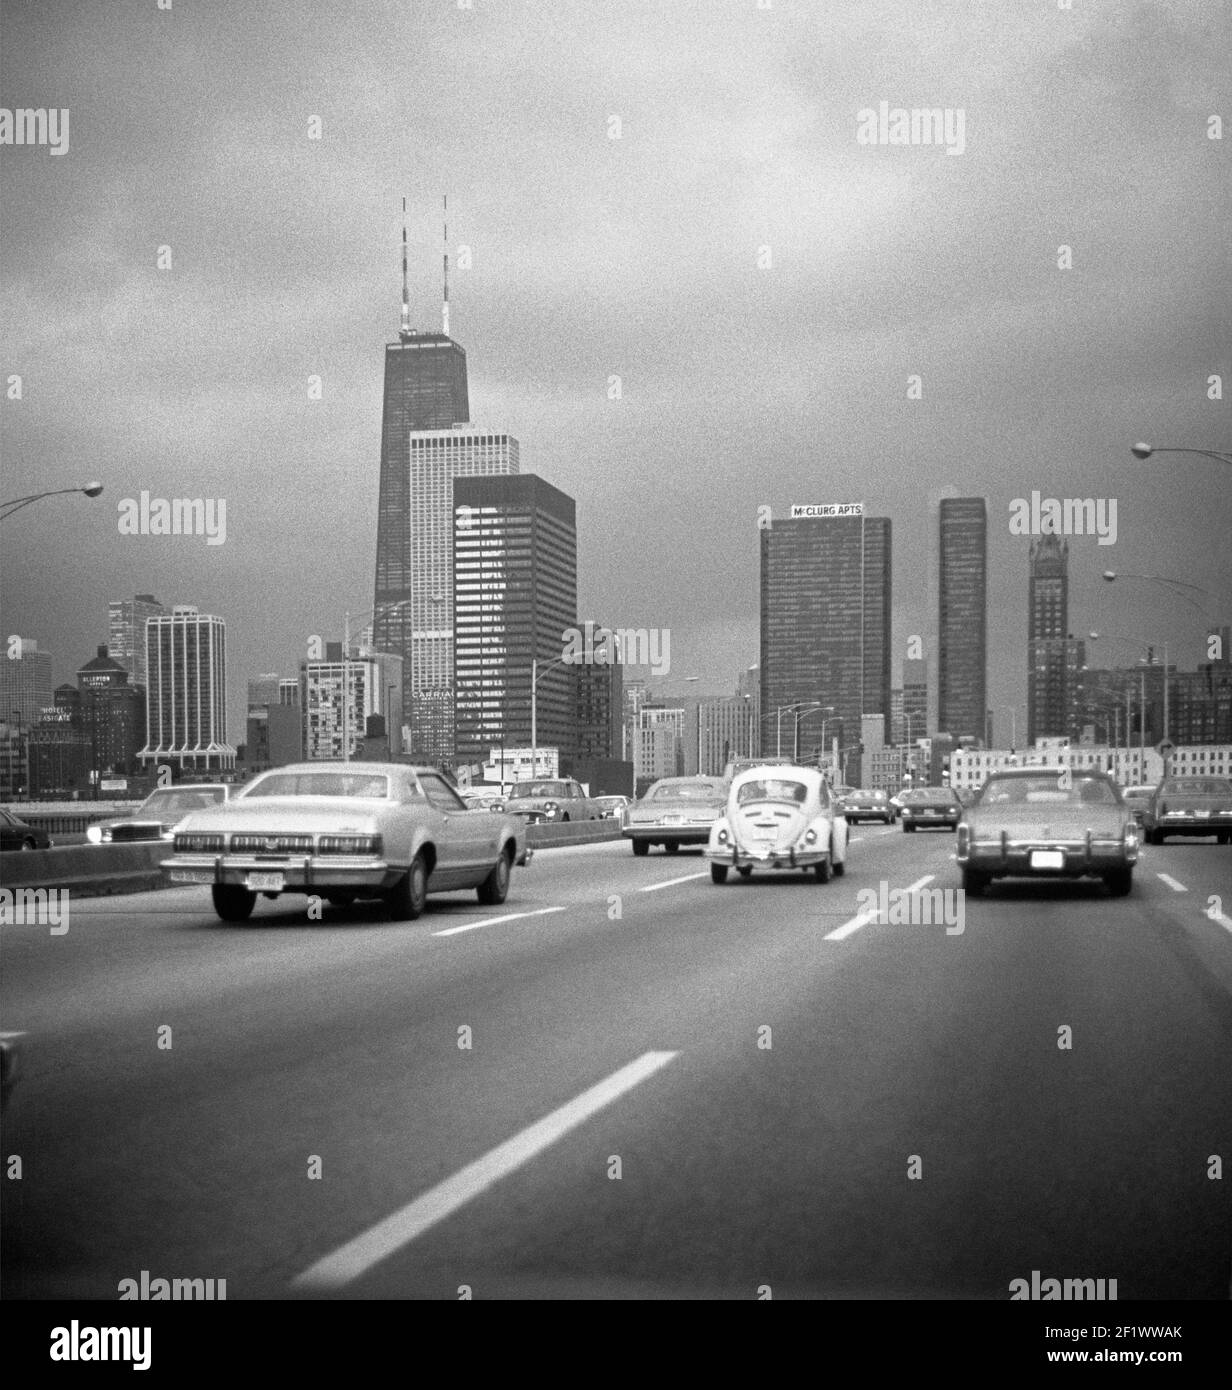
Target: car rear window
pixel 1082 791
pixel 772 789
pixel 363 784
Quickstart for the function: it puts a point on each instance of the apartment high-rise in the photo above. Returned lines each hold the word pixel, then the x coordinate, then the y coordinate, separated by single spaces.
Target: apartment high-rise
pixel 825 624
pixel 126 620
pixel 340 691
pixel 186 691
pixel 514 599
pixel 962 625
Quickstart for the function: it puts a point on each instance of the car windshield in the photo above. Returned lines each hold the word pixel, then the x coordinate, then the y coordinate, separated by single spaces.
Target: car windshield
pixel 1196 786
pixel 365 784
pixel 181 801
pixel 538 789
pixel 866 796
pixel 684 791
pixel 772 789
pixel 1044 789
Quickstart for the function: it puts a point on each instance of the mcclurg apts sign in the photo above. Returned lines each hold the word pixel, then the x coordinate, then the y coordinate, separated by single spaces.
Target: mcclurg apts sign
pixel 829 509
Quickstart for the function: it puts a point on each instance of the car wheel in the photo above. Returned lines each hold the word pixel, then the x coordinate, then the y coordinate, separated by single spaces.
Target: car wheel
pixel 641 848
pixel 28 843
pixel 564 818
pixel 974 882
pixel 823 871
pixel 1119 882
pixel 840 868
pixel 908 829
pixel 232 902
pixel 671 846
pixel 1154 837
pixel 407 897
pixel 1223 838
pixel 745 870
pixel 495 888
pixel 718 873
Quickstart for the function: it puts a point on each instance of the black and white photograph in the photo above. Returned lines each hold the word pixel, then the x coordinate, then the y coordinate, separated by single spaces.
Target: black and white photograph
pixel 617 669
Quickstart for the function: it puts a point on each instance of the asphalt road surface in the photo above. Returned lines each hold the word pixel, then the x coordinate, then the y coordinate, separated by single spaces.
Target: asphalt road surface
pixel 672 1089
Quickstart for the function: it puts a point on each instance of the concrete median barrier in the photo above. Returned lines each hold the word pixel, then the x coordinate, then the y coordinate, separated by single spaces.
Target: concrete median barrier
pixel 96 870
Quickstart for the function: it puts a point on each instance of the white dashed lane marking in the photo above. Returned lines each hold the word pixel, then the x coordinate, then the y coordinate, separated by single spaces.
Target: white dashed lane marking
pixel 1172 883
pixel 357 1256
pixel 669 883
pixel 862 919
pixel 492 921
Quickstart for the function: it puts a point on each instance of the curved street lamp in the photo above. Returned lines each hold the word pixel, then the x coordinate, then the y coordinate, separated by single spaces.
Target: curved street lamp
pixel 15 504
pixel 1144 451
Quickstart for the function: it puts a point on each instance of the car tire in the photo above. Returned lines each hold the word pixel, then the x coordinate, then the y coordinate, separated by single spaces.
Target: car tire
pixel 641 848
pixel 671 846
pixel 407 897
pixel 1223 838
pixel 232 902
pixel 745 870
pixel 824 871
pixel 974 882
pixel 840 867
pixel 1154 837
pixel 718 873
pixel 495 888
pixel 565 818
pixel 908 829
pixel 28 843
pixel 1120 882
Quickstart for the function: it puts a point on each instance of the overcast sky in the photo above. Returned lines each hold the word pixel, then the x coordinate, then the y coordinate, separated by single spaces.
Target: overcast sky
pixel 743 384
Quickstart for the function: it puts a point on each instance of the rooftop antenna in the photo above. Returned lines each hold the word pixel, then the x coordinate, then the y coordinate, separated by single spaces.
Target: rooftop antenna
pixel 405 331
pixel 445 243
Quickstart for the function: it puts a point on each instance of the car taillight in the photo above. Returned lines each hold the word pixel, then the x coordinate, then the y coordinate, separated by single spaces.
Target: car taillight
pixel 349 844
pixel 810 837
pixel 721 837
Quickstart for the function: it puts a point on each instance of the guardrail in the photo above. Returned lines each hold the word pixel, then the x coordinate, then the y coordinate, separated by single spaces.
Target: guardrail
pixel 96 870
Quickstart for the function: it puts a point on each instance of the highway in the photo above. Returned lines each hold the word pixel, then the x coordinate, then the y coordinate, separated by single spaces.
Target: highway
pixel 671 1090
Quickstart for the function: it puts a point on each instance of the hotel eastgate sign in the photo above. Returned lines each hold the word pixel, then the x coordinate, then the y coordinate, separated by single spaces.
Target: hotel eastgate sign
pixel 829 509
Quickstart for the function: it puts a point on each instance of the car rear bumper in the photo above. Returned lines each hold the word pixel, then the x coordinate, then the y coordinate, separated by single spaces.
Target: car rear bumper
pixel 302 874
pixel 1019 858
pixel 1187 823
pixel 656 834
pixel 739 857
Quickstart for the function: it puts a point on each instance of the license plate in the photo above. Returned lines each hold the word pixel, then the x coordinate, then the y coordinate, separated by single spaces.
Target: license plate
pixel 1047 859
pixel 192 875
pixel 1202 814
pixel 265 882
pixel 673 820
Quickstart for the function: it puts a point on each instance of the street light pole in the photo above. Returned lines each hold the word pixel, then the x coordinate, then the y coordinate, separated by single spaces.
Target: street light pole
pixel 1144 451
pixel 15 504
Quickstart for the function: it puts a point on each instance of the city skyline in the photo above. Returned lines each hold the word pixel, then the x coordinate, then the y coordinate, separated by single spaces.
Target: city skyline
pixel 271 289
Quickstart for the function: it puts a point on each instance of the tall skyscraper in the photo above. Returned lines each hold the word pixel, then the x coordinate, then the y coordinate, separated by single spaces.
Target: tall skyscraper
pixel 915 699
pixel 1055 659
pixel 425 390
pixel 126 620
pixel 825 625
pixel 600 699
pixel 186 693
pixel 25 682
pixel 962 624
pixel 514 598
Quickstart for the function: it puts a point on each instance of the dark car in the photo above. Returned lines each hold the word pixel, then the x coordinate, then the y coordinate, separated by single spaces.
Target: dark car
pixel 1189 806
pixel 16 834
pixel 864 805
pixel 1047 822
pixel 927 806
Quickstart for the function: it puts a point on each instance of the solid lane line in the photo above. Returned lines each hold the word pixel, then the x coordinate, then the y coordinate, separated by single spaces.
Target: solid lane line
pixel 1172 883
pixel 492 921
pixel 1224 921
pixel 357 1256
pixel 670 883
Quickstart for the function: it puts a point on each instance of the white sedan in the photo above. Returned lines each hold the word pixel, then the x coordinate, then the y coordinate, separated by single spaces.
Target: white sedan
pixel 779 818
